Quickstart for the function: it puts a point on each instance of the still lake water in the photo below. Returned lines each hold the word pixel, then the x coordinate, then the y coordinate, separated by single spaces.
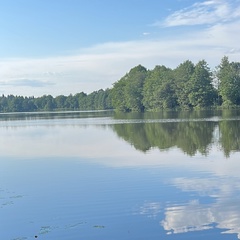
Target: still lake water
pixel 109 176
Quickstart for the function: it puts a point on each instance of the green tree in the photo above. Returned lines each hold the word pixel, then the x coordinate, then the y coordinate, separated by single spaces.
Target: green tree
pixel 3 103
pixel 127 92
pixel 228 75
pixel 158 90
pixel 71 102
pixel 60 102
pixel 118 95
pixel 49 103
pixel 183 74
pixel 201 90
pixel 28 104
pixel 90 101
pixel 107 99
pixel 134 88
pixel 81 98
pixel 99 100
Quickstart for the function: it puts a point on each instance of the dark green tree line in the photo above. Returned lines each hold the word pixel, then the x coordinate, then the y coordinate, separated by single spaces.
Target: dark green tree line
pixel 97 100
pixel 187 86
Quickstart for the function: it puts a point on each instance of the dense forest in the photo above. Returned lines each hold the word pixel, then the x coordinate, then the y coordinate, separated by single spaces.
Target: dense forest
pixel 187 86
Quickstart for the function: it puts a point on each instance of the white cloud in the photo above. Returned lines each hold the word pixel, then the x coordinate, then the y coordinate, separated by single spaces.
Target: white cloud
pixel 146 33
pixel 208 12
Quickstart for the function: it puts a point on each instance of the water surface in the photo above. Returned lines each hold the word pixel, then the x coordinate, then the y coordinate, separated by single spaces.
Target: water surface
pixel 106 175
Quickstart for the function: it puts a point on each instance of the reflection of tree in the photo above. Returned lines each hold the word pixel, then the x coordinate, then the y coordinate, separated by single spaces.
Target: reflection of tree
pixel 188 136
pixel 195 136
pixel 230 136
pixel 133 133
pixel 161 135
pixel 54 115
pixel 190 131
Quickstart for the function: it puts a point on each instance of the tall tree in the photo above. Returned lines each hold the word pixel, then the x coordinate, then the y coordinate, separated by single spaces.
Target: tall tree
pixel 134 88
pixel 201 90
pixel 158 90
pixel 60 102
pixel 127 92
pixel 183 74
pixel 228 75
pixel 118 97
pixel 81 98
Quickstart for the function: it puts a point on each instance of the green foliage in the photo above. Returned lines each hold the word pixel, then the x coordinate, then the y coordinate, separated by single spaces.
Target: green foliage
pixel 228 75
pixel 127 92
pixel 200 88
pixel 183 74
pixel 185 87
pixel 134 87
pixel 158 91
pixel 118 95
pixel 99 100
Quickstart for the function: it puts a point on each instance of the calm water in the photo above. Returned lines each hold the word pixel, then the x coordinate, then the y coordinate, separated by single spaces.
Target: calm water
pixel 108 176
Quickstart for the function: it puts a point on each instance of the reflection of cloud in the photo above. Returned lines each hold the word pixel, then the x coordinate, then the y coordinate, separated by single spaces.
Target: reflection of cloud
pixel 204 187
pixel 212 187
pixel 151 209
pixel 194 216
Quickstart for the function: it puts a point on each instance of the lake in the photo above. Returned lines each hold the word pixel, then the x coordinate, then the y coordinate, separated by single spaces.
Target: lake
pixel 105 175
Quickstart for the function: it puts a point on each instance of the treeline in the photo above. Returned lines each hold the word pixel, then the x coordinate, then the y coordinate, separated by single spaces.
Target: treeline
pixel 187 86
pixel 97 100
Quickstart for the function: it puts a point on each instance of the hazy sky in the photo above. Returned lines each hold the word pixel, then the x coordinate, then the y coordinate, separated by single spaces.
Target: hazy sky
pixel 68 46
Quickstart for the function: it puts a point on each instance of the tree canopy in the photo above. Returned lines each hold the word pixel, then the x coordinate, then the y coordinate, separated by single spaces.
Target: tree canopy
pixel 96 100
pixel 187 86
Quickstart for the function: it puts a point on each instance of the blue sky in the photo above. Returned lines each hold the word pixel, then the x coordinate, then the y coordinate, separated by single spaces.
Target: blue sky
pixel 68 46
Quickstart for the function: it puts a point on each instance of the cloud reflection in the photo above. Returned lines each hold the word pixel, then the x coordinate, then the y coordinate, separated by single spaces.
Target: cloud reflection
pixel 196 217
pixel 151 209
pixel 224 213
